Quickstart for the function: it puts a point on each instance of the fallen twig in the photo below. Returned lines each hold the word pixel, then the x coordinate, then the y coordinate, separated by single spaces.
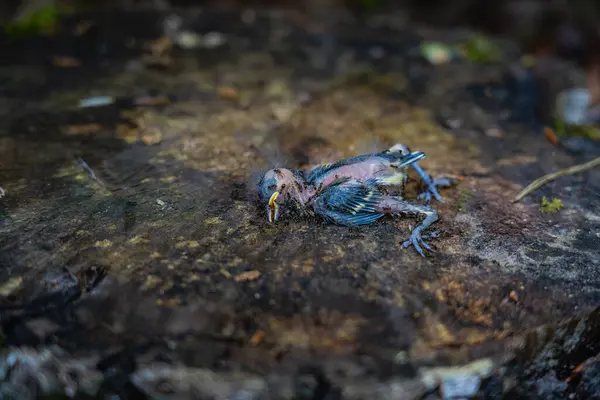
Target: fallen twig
pixel 555 175
pixel 89 171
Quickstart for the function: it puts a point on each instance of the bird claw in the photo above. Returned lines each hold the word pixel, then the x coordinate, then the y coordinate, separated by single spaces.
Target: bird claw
pixel 445 182
pixel 431 235
pixel 418 240
pixel 427 195
pixel 432 189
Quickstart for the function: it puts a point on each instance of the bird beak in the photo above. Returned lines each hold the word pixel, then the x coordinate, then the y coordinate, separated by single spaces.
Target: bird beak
pixel 412 158
pixel 273 208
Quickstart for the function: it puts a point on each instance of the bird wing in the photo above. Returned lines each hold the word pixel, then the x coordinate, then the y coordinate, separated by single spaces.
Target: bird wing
pixel 349 202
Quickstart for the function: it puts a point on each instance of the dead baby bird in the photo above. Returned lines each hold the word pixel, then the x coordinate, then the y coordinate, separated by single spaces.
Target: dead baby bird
pixel 355 191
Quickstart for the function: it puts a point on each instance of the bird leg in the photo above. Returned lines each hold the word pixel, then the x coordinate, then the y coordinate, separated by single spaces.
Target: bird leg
pixel 396 206
pixel 431 184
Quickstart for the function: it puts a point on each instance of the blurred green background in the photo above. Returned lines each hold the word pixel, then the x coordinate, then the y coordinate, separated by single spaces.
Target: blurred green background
pixel 567 28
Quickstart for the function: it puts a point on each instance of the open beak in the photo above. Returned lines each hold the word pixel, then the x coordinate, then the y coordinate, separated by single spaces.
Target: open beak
pixel 273 208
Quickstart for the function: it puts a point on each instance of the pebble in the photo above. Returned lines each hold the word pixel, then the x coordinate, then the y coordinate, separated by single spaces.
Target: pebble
pixel 188 40
pixel 460 387
pixel 214 39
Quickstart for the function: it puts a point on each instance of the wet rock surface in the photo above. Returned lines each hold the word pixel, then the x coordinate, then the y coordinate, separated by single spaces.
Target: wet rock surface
pixel 153 273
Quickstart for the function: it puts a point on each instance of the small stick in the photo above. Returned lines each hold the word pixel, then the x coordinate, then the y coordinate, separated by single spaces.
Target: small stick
pixel 553 176
pixel 89 171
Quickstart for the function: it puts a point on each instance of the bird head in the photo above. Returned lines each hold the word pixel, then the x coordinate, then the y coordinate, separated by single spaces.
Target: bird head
pixel 278 186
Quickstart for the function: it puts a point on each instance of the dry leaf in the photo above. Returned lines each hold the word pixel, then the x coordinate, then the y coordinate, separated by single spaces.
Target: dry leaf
pixel 84 129
pixel 228 93
pixel 152 101
pixel 151 137
pixel 83 27
pixel 257 338
pixel 593 83
pixel 65 62
pixel 159 46
pixel 247 276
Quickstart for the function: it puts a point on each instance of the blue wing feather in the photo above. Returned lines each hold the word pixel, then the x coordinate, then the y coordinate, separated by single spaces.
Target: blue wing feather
pixel 349 202
pixel 351 220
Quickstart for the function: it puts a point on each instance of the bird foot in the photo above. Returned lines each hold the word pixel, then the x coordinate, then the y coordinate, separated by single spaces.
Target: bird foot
pixel 418 240
pixel 432 189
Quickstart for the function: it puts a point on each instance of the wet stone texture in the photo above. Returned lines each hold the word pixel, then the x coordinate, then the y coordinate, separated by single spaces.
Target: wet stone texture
pixel 163 278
